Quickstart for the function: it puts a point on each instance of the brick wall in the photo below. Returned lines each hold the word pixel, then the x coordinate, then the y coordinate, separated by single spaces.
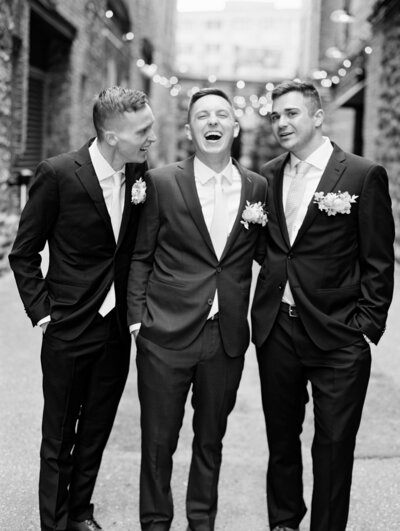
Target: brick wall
pixel 8 200
pixel 77 70
pixel 382 124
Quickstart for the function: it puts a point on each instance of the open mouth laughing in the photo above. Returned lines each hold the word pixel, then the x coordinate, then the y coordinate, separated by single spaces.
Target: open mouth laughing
pixel 213 136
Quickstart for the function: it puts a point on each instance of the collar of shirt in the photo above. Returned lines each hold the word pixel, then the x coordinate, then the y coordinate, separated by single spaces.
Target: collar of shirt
pixel 318 158
pixel 101 166
pixel 204 173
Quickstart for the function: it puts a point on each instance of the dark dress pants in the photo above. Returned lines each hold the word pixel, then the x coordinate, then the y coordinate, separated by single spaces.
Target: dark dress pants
pixel 164 379
pixel 83 382
pixel 339 381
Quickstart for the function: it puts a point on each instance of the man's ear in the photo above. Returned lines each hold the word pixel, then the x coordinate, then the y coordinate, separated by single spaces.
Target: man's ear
pixel 236 129
pixel 319 118
pixel 188 131
pixel 111 138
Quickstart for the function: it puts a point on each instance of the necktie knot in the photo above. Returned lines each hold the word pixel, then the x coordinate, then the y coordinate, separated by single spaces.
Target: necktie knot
pixel 302 168
pixel 218 179
pixel 295 194
pixel 118 178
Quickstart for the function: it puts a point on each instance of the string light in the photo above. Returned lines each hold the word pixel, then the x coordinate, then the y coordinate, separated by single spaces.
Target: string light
pixel 249 104
pixel 128 36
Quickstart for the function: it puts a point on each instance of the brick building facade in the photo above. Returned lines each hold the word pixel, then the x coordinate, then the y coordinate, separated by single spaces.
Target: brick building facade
pixel 382 101
pixel 359 58
pixel 55 56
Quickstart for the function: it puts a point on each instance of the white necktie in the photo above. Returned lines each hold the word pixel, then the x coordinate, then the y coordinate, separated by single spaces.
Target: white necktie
pixel 295 194
pixel 220 220
pixel 115 211
pixel 219 228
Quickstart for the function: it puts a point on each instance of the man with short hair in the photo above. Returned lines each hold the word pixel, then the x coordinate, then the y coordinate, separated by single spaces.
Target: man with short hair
pixel 188 290
pixel 322 296
pixel 81 204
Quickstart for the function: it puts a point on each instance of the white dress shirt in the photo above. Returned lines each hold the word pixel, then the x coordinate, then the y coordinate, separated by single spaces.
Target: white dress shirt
pixel 105 174
pixel 205 185
pixel 231 184
pixel 318 161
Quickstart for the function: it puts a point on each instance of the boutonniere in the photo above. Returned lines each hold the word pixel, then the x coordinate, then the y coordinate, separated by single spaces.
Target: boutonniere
pixel 333 203
pixel 254 213
pixel 139 191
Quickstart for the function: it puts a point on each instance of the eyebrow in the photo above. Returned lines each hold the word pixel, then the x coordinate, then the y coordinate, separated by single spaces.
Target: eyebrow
pixel 287 109
pixel 222 109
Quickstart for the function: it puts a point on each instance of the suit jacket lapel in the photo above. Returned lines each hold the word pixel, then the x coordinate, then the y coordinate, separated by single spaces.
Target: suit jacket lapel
pixel 329 179
pixel 90 182
pixel 278 199
pixel 133 173
pixel 187 185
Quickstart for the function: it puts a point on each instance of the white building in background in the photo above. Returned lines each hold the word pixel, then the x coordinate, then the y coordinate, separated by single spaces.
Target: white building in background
pixel 247 40
pixel 245 49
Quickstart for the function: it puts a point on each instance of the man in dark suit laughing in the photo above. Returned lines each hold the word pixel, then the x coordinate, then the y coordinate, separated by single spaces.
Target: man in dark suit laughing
pixel 85 205
pixel 188 290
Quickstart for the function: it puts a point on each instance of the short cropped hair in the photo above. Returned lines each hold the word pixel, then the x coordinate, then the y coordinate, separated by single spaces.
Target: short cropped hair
pixel 114 101
pixel 207 91
pixel 307 89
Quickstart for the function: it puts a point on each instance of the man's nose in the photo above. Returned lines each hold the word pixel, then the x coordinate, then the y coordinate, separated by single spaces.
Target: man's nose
pixel 282 120
pixel 152 137
pixel 212 119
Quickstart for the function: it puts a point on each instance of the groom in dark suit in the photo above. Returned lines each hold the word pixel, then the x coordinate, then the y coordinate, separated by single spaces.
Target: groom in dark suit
pixel 85 205
pixel 188 290
pixel 322 296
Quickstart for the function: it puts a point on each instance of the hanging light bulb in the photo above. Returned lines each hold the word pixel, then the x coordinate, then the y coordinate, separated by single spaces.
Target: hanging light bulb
pixel 342 15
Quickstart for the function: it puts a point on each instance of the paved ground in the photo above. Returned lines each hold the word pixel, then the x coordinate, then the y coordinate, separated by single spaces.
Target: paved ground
pixel 376 485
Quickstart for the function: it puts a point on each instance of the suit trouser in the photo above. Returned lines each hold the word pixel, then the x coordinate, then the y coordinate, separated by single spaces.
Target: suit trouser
pixel 164 379
pixel 339 380
pixel 83 382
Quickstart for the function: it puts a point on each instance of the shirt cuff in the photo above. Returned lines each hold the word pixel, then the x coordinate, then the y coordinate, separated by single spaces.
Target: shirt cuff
pixel 367 339
pixel 45 320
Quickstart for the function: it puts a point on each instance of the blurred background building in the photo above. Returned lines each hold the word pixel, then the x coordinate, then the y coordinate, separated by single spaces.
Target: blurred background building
pixel 55 55
pixel 244 47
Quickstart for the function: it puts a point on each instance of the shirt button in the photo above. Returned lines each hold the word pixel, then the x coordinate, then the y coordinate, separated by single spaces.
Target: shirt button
pixel 210 301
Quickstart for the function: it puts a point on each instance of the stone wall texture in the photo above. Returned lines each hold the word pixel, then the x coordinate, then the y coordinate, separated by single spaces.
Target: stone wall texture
pixel 382 123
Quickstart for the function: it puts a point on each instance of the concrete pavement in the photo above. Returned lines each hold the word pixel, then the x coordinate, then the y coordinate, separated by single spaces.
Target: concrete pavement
pixel 376 484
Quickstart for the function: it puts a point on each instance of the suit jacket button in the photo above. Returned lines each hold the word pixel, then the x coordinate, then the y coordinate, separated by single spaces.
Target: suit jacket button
pixel 290 256
pixel 280 287
pixel 210 301
pixel 219 269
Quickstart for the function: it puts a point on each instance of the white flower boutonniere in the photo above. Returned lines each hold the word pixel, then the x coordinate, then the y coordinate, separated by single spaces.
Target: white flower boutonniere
pixel 333 203
pixel 139 191
pixel 254 213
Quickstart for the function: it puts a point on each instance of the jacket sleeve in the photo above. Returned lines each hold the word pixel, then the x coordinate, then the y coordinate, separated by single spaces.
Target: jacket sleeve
pixel 143 254
pixel 36 224
pixel 376 237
